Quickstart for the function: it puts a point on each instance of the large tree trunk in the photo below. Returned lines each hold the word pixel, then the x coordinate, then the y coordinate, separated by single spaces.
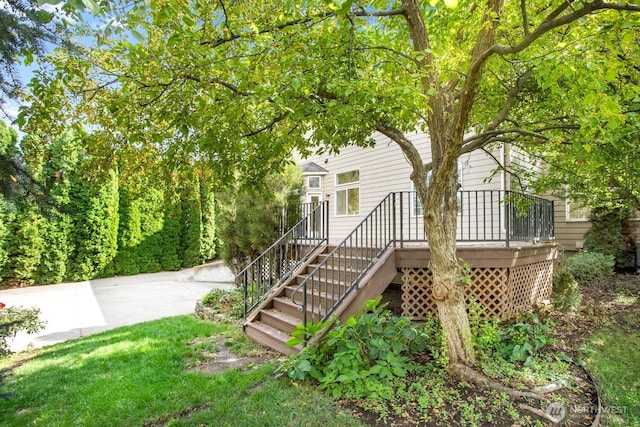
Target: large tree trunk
pixel 447 118
pixel 448 288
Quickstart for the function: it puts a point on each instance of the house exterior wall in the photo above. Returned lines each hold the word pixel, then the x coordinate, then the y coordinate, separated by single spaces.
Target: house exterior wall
pixel 570 234
pixel 384 169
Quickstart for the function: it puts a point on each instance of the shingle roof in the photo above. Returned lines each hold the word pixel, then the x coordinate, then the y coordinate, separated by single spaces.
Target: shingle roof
pixel 313 168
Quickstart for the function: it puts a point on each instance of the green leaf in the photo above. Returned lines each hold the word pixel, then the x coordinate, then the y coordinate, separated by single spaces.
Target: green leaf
pixel 399 372
pixel 304 366
pixel 295 341
pixel 138 36
pixel 92 6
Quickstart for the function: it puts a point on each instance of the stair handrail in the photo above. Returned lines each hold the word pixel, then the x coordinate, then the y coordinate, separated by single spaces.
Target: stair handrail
pixel 276 264
pixel 364 227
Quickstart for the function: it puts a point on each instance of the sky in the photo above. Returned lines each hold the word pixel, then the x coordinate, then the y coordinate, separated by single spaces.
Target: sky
pixel 12 107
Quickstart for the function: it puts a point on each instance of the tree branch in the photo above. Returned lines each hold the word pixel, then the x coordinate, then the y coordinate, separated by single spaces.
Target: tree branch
pixel 525 17
pixel 554 20
pixel 267 127
pixel 511 98
pixel 378 13
pixel 301 21
pixel 410 151
pixel 412 13
pixel 233 88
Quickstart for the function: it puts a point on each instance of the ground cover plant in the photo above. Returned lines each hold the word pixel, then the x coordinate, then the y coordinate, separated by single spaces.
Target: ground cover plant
pixel 392 371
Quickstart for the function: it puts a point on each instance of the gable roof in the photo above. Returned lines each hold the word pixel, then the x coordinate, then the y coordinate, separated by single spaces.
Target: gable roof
pixel 312 168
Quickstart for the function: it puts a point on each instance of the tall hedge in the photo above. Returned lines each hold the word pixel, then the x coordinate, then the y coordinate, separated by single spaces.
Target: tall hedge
pixel 190 238
pixel 95 227
pixel 171 258
pixel 208 237
pixel 250 216
pixel 4 235
pixel 60 163
pixel 127 261
pixel 25 246
pixel 151 207
pixel 75 217
pixel 8 139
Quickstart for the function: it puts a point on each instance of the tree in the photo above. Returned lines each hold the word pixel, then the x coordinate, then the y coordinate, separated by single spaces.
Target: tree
pixel 239 85
pixel 25 31
pixel 251 217
pixel 95 224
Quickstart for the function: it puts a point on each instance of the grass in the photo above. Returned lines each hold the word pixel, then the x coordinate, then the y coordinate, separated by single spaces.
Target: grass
pixel 615 365
pixel 140 375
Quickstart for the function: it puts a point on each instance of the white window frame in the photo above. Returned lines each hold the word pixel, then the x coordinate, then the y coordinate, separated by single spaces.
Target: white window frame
pixel 319 178
pixel 346 187
pixel 416 209
pixel 569 218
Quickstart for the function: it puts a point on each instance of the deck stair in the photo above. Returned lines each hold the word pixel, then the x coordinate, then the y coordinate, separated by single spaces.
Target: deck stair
pixel 333 281
pixel 272 324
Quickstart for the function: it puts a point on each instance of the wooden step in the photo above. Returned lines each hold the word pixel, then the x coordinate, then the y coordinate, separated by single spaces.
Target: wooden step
pixel 331 295
pixel 343 274
pixel 280 320
pixel 340 262
pixel 287 306
pixel 271 337
pixel 352 251
pixel 322 282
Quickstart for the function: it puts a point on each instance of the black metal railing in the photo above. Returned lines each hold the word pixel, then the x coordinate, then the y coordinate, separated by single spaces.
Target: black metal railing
pixel 288 253
pixel 483 216
pixel 488 216
pixel 530 217
pixel 340 272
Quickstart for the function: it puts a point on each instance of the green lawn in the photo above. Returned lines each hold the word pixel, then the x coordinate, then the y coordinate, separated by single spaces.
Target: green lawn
pixel 139 375
pixel 615 366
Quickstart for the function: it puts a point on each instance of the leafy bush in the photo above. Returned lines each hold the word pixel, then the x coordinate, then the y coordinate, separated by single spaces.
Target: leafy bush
pixel 14 320
pixel 512 342
pixel 523 340
pixel 566 292
pixel 486 331
pixel 354 359
pixel 608 236
pixel 585 266
pixel 227 302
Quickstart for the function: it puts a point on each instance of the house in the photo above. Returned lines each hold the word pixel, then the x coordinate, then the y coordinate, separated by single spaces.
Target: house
pixel 364 230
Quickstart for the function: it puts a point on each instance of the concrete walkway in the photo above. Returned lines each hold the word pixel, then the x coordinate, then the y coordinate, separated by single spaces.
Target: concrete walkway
pixel 74 310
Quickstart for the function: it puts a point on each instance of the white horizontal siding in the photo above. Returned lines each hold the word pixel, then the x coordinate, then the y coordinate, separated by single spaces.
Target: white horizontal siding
pixel 384 169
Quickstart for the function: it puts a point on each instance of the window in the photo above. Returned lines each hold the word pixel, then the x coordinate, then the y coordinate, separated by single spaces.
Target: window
pixel 577 212
pixel 347 177
pixel 347 194
pixel 416 207
pixel 313 182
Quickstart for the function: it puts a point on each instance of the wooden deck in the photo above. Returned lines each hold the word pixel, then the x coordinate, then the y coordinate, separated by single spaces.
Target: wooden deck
pixel 505 280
